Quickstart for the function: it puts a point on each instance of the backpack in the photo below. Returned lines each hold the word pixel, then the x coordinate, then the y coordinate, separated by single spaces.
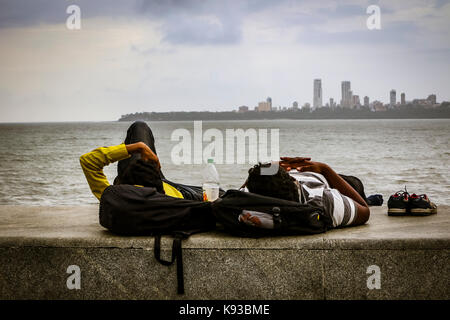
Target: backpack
pixel 248 214
pixel 134 211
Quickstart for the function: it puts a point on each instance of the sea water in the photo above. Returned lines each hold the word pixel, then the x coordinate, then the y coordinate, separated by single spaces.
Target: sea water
pixel 39 162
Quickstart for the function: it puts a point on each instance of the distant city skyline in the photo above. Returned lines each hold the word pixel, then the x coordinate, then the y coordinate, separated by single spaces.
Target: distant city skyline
pixel 149 55
pixel 348 100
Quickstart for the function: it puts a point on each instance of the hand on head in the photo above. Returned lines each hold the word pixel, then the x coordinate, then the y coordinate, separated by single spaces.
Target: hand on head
pixel 302 164
pixel 146 153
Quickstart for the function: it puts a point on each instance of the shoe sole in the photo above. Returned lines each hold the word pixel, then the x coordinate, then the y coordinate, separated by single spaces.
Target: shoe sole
pixel 423 212
pixel 397 212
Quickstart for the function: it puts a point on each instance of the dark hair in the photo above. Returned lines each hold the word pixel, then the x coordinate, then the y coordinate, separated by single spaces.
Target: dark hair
pixel 280 185
pixel 143 173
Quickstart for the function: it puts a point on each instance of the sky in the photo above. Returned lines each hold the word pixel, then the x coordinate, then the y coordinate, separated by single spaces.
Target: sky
pixel 173 55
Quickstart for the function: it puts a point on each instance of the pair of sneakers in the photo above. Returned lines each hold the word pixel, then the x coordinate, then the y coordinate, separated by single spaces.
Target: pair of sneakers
pixel 403 204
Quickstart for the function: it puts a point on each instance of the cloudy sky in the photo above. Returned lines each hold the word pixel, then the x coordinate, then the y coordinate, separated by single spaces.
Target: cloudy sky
pixel 155 55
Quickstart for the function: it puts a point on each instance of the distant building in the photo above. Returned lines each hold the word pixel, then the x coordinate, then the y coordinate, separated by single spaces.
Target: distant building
pixel 392 98
pixel 366 102
pixel 306 107
pixel 317 94
pixel 350 103
pixel 332 104
pixel 264 106
pixel 432 98
pixel 378 106
pixel 346 94
pixel 295 105
pixel 355 101
pixel 429 101
pixel 243 109
pixel 402 99
pixel 269 101
pixel 421 101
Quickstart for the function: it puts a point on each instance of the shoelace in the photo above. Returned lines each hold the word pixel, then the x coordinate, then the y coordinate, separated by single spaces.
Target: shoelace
pixel 402 194
pixel 405 194
pixel 420 196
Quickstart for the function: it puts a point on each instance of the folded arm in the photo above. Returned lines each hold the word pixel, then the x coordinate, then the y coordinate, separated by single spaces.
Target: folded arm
pixel 337 182
pixel 334 180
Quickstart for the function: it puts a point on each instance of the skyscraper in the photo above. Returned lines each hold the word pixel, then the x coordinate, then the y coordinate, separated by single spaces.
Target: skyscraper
pixel 402 99
pixel 346 94
pixel 317 97
pixel 366 101
pixel 392 98
pixel 355 101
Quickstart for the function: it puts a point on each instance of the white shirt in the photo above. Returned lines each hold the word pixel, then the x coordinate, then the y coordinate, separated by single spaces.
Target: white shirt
pixel 314 189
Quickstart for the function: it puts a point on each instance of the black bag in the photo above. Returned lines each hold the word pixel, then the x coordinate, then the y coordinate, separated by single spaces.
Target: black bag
pixel 252 215
pixel 133 211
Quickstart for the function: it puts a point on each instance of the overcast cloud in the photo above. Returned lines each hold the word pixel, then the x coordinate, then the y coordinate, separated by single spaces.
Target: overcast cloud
pixel 147 55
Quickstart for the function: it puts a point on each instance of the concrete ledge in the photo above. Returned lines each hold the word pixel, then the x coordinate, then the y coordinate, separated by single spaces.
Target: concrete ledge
pixel 37 244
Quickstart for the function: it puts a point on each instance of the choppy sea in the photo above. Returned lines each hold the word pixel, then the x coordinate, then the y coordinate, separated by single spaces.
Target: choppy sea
pixel 39 162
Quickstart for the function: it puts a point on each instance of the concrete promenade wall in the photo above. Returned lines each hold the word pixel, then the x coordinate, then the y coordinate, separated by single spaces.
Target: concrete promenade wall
pixel 38 244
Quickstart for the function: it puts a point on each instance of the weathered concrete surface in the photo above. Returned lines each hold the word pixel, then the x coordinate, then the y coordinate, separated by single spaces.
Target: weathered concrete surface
pixel 37 244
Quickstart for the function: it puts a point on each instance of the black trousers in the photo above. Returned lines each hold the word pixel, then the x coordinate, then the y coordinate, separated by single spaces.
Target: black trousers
pixel 139 131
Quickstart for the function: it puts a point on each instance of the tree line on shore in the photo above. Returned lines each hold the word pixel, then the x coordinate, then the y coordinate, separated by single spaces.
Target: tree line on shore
pixel 408 111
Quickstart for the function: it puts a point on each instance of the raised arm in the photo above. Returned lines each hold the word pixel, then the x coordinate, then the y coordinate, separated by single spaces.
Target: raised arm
pixel 93 163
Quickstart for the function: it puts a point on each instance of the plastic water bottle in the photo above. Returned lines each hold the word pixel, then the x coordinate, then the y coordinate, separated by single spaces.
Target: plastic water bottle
pixel 210 182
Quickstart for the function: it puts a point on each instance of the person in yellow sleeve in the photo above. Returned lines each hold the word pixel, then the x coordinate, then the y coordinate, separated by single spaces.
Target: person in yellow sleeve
pixel 138 165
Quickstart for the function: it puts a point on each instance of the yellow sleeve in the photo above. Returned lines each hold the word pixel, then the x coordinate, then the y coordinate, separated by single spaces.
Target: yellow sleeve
pixel 93 162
